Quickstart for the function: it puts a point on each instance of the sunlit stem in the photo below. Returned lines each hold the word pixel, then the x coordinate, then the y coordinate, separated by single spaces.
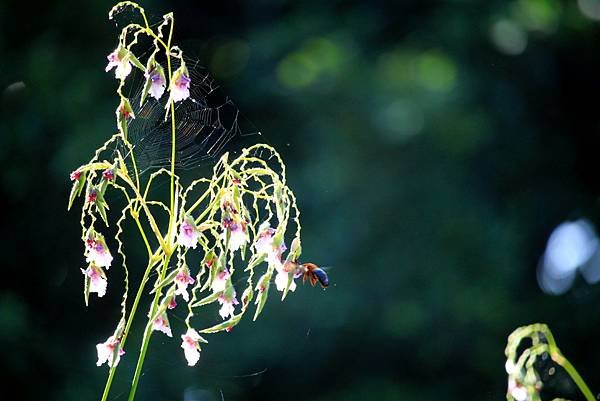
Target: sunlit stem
pixel 136 301
pixel 148 331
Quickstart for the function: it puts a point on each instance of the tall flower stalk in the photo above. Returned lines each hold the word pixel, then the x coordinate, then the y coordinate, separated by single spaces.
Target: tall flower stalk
pixel 221 218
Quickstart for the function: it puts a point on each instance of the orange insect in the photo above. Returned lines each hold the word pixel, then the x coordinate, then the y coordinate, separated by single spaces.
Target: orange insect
pixel 308 271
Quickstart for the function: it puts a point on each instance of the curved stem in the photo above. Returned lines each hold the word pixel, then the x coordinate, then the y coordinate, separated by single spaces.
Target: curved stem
pixel 575 376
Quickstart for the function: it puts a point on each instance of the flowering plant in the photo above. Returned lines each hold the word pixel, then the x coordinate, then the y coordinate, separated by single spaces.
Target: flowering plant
pixel 234 221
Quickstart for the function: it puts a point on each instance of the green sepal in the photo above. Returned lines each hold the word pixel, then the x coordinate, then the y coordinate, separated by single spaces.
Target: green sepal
pixel 255 261
pixel 77 188
pixel 134 60
pixel 206 300
pixel 247 296
pixel 261 299
pixel 223 326
pixel 287 287
pixel 86 288
pixel 101 208
pixel 169 279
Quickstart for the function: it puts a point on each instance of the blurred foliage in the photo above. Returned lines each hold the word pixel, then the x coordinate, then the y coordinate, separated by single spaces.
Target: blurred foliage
pixel 434 145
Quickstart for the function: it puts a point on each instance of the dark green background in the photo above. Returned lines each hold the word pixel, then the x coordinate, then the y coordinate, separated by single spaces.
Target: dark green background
pixel 430 168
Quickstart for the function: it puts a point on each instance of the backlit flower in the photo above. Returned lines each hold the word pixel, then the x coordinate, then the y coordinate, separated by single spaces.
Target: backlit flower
pixel 75 175
pixel 109 352
pixel 118 59
pixel 156 76
pixel 180 84
pixel 284 271
pixel 237 234
pixel 182 279
pixel 97 279
pixel 227 305
pixel 188 234
pixel 161 323
pixel 190 346
pixel 220 281
pixel 97 252
pixel 108 174
pixel 264 244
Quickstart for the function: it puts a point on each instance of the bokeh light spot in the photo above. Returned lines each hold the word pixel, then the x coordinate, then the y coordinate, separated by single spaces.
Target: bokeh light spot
pixel 508 37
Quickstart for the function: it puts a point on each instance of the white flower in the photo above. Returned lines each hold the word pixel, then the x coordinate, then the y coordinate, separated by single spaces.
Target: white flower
pixel 220 281
pixel 237 234
pixel 97 252
pixel 182 279
pixel 98 280
pixel 188 235
pixel 281 281
pixel 264 244
pixel 109 352
pixel 180 86
pixel 190 346
pixel 119 60
pixel 161 323
pixel 227 306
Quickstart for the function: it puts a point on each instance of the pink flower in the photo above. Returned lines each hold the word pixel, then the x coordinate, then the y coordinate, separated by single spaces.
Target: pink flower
pixel 190 346
pixel 97 252
pixel 108 174
pixel 220 281
pixel 188 234
pixel 92 196
pixel 227 305
pixel 182 279
pixel 75 175
pixel 109 352
pixel 118 58
pixel 237 234
pixel 172 303
pixel 264 244
pixel 161 323
pixel 97 279
pixel 180 86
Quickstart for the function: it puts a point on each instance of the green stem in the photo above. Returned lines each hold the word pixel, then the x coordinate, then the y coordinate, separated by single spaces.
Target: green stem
pixel 148 332
pixel 136 301
pixel 575 376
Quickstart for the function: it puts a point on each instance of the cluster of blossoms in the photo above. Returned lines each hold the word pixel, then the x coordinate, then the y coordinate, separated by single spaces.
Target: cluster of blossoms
pixel 227 229
pixel 98 256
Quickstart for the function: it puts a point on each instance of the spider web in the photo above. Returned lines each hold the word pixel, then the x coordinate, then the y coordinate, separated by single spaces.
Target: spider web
pixel 206 125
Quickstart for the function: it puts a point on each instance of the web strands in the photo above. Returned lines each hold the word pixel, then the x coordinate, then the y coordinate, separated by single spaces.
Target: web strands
pixel 205 124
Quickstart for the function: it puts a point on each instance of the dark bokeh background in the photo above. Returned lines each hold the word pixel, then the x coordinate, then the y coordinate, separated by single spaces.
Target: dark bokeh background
pixel 433 145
